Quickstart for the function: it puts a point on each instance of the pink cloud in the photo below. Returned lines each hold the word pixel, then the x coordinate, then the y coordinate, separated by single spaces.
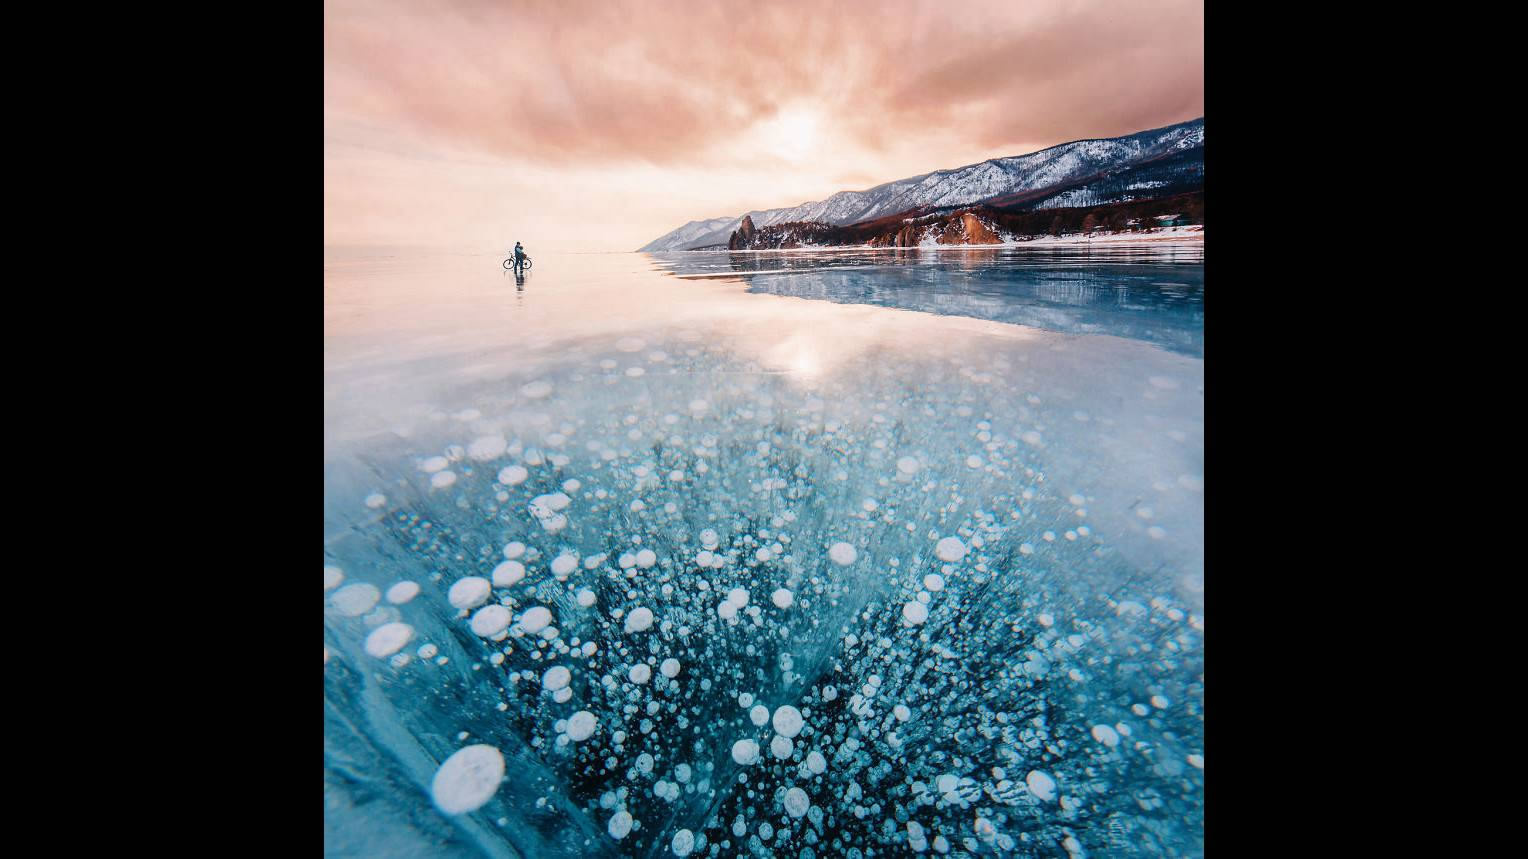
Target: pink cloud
pixel 607 91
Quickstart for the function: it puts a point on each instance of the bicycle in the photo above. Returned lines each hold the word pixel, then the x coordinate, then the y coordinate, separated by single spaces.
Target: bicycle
pixel 525 262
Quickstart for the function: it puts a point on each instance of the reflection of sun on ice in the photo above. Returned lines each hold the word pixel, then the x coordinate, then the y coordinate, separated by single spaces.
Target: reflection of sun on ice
pixel 805 364
pixel 797 356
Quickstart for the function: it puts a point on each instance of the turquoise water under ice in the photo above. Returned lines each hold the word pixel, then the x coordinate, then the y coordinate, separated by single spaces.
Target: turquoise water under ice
pixel 796 554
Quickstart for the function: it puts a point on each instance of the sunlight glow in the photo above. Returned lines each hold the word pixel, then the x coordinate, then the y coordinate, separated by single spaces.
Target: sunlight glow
pixel 792 133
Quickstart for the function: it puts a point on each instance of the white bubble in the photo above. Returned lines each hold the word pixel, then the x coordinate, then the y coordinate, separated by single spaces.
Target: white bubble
pixel 556 677
pixel 487 447
pixel 434 464
pixel 726 610
pixel 683 843
pixel 816 763
pixel 934 582
pixel 581 726
pixel 745 752
pixel 375 500
pixel 787 721
pixel 470 592
pixel 669 667
pixel 402 592
pixel 513 475
pixel 782 598
pixel 563 565
pixel 759 714
pixel 646 558
pixel 619 825
pixel 535 619
pixel 914 612
pixel 537 389
pixel 388 639
pixel 901 712
pixel 950 549
pixel 508 573
pixel 553 501
pixel 915 837
pixel 468 779
pixel 907 465
pixel 585 597
pixel 842 554
pixel 738 597
pixel 442 479
pixel 357 599
pixel 332 577
pixel 640 619
pixel 491 620
pixel 709 539
pixel 1041 785
pixel 1106 735
pixel 640 673
pixel 514 550
pixel 781 747
pixel 797 802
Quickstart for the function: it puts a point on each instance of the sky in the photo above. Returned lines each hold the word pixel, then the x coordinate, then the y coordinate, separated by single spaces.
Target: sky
pixel 465 125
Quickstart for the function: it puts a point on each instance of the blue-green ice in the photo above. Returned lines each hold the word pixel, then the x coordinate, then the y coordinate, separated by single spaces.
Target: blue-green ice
pixel 817 554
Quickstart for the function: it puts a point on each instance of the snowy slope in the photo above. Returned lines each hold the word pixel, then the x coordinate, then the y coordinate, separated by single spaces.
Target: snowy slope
pixel 999 177
pixel 694 233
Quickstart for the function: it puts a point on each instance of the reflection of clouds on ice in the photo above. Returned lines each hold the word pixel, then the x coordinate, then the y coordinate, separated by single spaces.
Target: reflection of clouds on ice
pixel 825 576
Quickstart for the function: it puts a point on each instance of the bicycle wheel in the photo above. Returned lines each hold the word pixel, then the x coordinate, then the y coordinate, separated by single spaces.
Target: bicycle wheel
pixel 527 263
pixel 509 263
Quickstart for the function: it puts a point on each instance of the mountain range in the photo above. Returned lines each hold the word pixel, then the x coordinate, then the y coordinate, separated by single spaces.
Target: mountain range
pixel 1161 162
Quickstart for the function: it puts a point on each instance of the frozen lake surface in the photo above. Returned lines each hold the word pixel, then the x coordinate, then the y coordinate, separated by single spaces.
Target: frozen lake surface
pixel 794 554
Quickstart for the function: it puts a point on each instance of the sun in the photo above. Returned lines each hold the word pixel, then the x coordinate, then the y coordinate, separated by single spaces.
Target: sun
pixel 792 133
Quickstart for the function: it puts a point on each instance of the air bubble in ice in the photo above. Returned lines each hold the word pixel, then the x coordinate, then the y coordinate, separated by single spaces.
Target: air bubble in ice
pixel 491 620
pixel 467 779
pixel 469 592
pixel 842 554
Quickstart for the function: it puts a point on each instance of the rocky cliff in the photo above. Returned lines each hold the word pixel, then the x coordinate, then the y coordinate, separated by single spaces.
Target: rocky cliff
pixel 744 236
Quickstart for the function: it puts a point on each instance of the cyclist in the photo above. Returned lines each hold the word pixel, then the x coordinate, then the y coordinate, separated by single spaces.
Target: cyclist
pixel 519 255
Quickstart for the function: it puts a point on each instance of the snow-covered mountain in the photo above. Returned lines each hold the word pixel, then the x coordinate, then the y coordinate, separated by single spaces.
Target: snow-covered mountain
pixel 1011 178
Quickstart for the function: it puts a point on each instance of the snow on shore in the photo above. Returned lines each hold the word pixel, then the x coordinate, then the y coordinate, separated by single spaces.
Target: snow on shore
pixel 1192 233
pixel 1164 234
